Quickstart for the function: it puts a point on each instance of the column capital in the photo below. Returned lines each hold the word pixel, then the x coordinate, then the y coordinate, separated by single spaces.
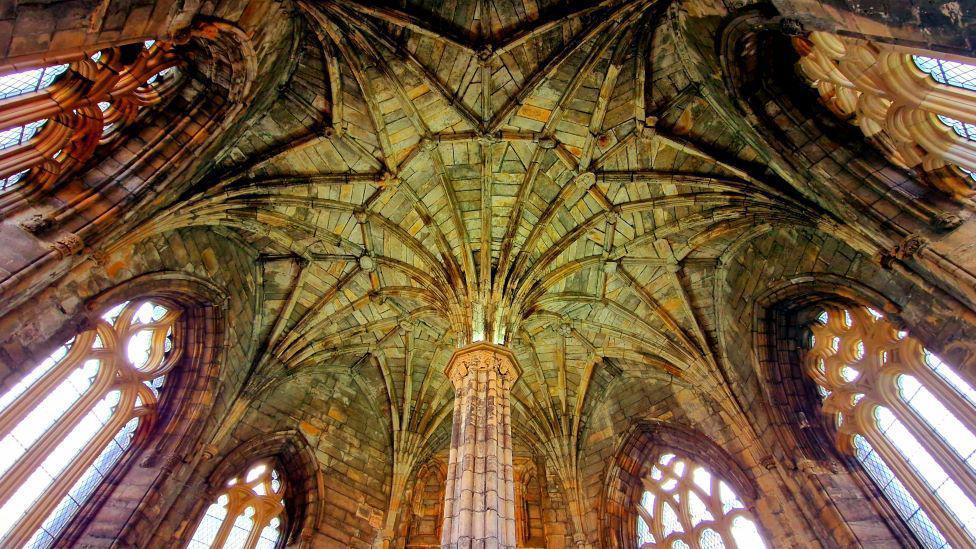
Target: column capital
pixel 483 356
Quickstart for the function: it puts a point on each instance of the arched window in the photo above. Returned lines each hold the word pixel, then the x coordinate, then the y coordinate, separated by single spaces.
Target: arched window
pixel 907 417
pixel 920 110
pixel 684 506
pixel 67 422
pixel 53 117
pixel 248 514
pixel 951 73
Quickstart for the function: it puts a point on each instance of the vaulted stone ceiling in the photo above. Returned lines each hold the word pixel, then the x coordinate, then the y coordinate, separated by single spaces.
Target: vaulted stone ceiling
pixel 542 175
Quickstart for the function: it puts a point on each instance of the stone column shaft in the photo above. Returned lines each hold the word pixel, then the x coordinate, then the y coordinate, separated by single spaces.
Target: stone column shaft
pixel 479 498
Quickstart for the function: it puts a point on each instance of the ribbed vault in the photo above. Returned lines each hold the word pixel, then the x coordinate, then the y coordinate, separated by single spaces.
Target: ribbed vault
pixel 545 176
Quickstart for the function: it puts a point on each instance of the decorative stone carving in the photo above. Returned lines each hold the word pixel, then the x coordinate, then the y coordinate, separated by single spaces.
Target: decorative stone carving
pixel 67 245
pixel 947 221
pixel 367 263
pixel 894 103
pixel 791 26
pixel 37 223
pixel 485 54
pixel 907 249
pixel 390 180
pixel 479 499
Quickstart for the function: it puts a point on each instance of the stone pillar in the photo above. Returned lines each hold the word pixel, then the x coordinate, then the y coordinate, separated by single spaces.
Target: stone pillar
pixel 479 499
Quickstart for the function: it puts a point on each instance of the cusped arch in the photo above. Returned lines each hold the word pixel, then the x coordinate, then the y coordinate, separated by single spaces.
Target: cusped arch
pixel 634 456
pixel 146 465
pixel 779 316
pixel 306 487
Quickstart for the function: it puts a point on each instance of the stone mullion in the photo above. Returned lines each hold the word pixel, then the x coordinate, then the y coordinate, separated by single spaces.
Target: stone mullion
pixel 940 449
pixel 67 478
pixel 24 404
pixel 948 526
pixel 235 507
pixel 956 403
pixel 56 433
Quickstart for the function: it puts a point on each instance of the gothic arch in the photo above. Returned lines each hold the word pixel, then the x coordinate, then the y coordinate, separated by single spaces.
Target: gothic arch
pixel 637 452
pixel 811 142
pixel 421 525
pixel 781 318
pixel 158 447
pixel 306 487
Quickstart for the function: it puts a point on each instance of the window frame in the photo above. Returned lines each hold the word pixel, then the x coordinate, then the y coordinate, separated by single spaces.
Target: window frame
pixel 80 351
pixel 241 498
pixel 905 356
pixel 684 484
pixel 73 125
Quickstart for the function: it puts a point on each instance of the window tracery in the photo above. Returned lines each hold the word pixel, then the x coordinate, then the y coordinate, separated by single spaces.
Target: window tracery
pixel 52 118
pixel 907 417
pixel 248 514
pixel 921 111
pixel 66 423
pixel 685 506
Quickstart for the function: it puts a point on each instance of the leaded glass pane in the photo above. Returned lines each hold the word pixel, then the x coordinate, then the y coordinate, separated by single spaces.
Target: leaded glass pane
pixel 897 495
pixel 963 129
pixel 939 418
pixel 11 180
pixel 241 529
pixel 29 81
pixel 710 539
pixel 50 469
pixel 953 73
pixel 951 377
pixel 745 534
pixel 687 504
pixel 86 485
pixel 206 533
pixel 91 408
pixel 45 414
pixel 670 520
pixel 20 134
pixel 643 532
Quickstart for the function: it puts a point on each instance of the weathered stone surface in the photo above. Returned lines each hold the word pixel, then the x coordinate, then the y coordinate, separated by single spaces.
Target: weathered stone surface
pixel 626 200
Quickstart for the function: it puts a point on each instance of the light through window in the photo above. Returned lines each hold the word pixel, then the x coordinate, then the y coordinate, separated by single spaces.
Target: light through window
pixel 66 423
pixel 47 110
pixel 29 81
pixel 947 72
pixel 906 416
pixel 686 505
pixel 248 514
pixel 951 73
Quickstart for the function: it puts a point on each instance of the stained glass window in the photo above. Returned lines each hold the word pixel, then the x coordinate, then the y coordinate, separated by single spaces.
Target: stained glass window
pixel 247 515
pixel 686 505
pixel 913 420
pixel 67 422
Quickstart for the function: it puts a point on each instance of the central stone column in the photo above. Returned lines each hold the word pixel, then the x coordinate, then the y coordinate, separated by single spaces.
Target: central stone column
pixel 479 499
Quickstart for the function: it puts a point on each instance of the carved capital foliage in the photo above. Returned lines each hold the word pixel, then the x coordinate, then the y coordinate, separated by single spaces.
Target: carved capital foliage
pixel 483 356
pixel 67 245
pixel 909 247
